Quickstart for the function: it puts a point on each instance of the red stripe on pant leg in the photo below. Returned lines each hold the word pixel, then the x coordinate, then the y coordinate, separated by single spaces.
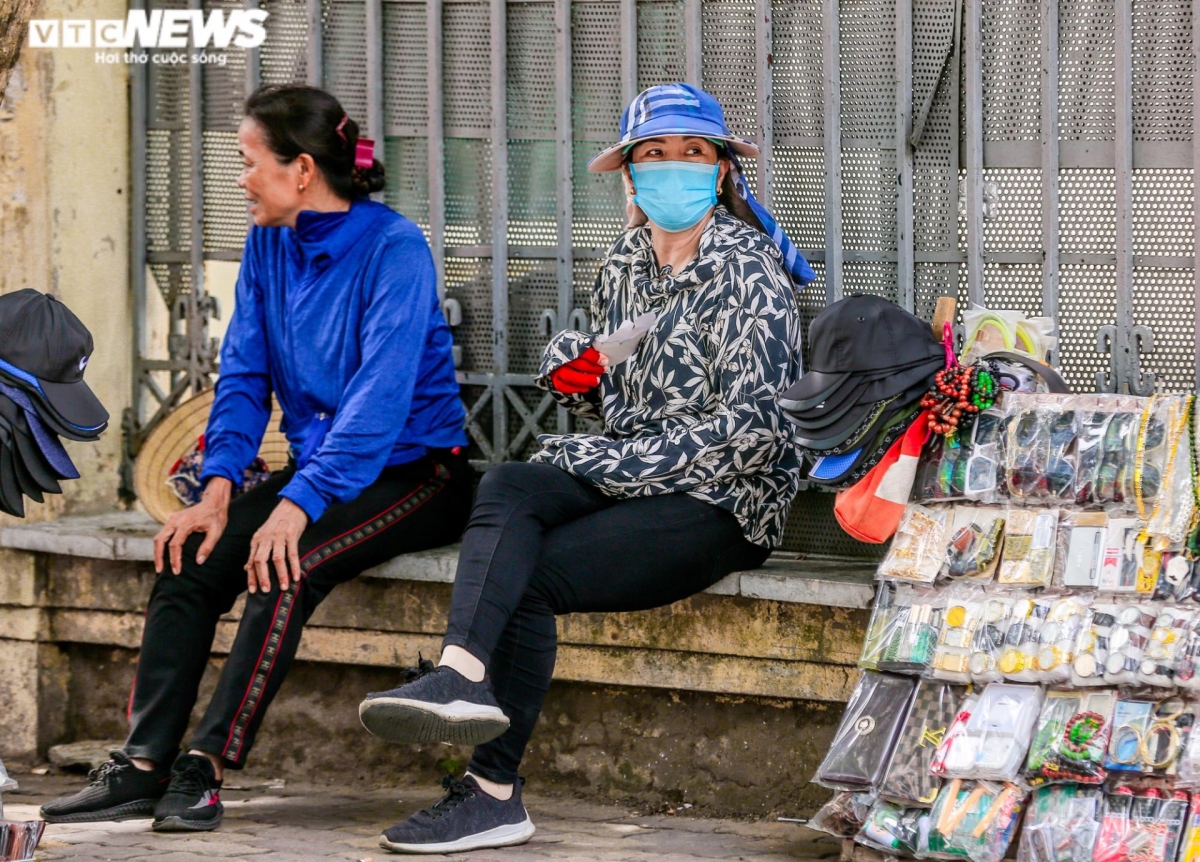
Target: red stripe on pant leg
pixel 242 720
pixel 250 685
pixel 385 527
pixel 395 505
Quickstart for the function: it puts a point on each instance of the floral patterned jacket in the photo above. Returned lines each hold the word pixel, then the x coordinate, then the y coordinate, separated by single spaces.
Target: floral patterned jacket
pixel 694 409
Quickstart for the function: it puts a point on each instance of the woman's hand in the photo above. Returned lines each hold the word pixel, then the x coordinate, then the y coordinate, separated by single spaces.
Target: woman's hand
pixel 277 541
pixel 579 375
pixel 208 516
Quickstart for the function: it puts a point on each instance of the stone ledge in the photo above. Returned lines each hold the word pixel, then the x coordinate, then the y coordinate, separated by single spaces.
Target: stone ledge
pixel 128 536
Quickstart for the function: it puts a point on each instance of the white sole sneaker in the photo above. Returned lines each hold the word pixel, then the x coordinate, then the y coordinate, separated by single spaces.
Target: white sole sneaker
pixel 501 836
pixel 401 720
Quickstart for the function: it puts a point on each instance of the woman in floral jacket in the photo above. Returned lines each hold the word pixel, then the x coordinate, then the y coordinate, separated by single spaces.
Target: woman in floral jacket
pixel 690 480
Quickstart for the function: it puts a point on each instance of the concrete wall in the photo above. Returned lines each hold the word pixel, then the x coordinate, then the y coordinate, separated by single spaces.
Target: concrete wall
pixel 64 221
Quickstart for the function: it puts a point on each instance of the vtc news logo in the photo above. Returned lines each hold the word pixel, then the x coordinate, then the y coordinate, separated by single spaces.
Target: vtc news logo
pixel 169 28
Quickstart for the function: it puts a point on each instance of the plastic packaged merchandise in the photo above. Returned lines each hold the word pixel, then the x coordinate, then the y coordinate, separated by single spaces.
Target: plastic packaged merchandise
pixel 988 330
pixel 909 781
pixel 1187 661
pixel 1082 538
pixel 1187 773
pixel 862 746
pixel 1071 739
pixel 918 548
pixel 988 645
pixel 1149 735
pixel 1125 568
pixel 891 828
pixel 990 735
pixel 1030 537
pixel 1127 641
pixel 1091 646
pixel 965 467
pixel 1058 636
pixel 975 819
pixel 843 815
pixel 1176 577
pixel 902 634
pixel 1162 655
pixel 1170 515
pixel 1145 827
pixel 1061 823
pixel 975 537
pixel 965 608
pixel 1039 449
pixel 1027 617
pixel 1189 850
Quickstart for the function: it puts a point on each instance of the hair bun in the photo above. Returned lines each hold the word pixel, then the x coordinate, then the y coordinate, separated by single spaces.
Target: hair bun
pixel 367 181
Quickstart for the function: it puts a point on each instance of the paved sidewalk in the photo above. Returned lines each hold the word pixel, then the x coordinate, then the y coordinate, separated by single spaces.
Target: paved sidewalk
pixel 293 823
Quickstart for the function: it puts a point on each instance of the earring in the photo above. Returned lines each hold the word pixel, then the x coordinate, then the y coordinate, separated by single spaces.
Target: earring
pixel 300 187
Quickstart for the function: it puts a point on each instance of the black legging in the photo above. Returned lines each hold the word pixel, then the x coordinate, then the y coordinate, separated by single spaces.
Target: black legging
pixel 539 543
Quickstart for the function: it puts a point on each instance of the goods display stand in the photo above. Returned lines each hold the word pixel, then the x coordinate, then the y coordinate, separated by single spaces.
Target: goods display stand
pixel 18 840
pixel 1030 677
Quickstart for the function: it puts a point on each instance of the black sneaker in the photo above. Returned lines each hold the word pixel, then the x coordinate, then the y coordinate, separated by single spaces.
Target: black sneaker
pixel 437 705
pixel 467 818
pixel 117 790
pixel 192 802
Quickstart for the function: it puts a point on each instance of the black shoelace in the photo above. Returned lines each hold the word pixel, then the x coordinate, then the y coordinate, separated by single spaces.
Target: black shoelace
pixel 190 780
pixel 424 668
pixel 456 794
pixel 100 774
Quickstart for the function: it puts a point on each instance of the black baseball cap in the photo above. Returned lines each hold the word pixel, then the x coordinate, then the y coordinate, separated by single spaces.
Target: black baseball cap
pixel 46 347
pixel 859 335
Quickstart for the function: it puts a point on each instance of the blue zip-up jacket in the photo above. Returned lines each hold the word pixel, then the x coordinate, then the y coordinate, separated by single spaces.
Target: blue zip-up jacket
pixel 340 319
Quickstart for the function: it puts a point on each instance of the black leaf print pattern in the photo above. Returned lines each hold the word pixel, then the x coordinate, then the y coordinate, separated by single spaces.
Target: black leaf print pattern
pixel 695 408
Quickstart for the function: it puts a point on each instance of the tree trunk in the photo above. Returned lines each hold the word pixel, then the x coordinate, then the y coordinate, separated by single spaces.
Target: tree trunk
pixel 14 21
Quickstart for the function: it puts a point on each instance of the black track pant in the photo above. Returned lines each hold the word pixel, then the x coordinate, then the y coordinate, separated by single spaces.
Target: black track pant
pixel 541 543
pixel 411 507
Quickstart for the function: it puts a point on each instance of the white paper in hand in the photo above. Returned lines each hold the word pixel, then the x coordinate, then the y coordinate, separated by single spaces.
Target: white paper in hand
pixel 621 344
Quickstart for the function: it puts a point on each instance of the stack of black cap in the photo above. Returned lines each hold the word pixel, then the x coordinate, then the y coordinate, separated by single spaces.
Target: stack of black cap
pixel 871 363
pixel 44 349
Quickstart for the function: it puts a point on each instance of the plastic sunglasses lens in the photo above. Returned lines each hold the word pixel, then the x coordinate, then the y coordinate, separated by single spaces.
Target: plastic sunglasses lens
pixel 985 430
pixel 1154 434
pixel 981 474
pixel 1062 431
pixel 1150 480
pixel 1027 428
pixel 1024 481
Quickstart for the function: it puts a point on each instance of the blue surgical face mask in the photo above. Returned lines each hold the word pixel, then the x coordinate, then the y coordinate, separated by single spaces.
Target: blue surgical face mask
pixel 674 195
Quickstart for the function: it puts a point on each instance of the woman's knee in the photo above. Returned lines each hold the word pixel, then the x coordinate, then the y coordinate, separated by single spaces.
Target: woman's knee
pixel 513 480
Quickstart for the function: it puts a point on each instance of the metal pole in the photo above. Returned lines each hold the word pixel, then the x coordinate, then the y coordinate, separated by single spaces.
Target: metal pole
pixel 437 145
pixel 693 42
pixel 1123 150
pixel 629 47
pixel 564 173
pixel 1196 189
pixel 375 130
pixel 138 118
pixel 833 151
pixel 904 156
pixel 316 45
pixel 974 135
pixel 1050 158
pixel 499 40
pixel 195 325
pixel 766 120
pixel 253 59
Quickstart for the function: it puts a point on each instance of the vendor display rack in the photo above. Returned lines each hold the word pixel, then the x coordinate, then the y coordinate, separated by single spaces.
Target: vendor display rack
pixel 1033 655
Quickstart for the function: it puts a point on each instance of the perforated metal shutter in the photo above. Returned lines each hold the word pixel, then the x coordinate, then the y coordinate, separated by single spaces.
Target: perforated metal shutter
pixel 1019 196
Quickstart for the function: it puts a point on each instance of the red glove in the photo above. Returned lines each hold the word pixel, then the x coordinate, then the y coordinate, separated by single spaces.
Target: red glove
pixel 578 375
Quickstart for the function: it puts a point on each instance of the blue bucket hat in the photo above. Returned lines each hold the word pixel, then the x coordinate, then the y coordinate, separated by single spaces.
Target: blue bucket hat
pixel 681 109
pixel 670 109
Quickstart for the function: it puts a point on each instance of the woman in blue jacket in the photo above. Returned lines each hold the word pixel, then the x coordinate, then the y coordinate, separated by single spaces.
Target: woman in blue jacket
pixel 337 314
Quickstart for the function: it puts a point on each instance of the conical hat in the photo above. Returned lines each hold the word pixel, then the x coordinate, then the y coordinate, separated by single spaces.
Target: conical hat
pixel 174 437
